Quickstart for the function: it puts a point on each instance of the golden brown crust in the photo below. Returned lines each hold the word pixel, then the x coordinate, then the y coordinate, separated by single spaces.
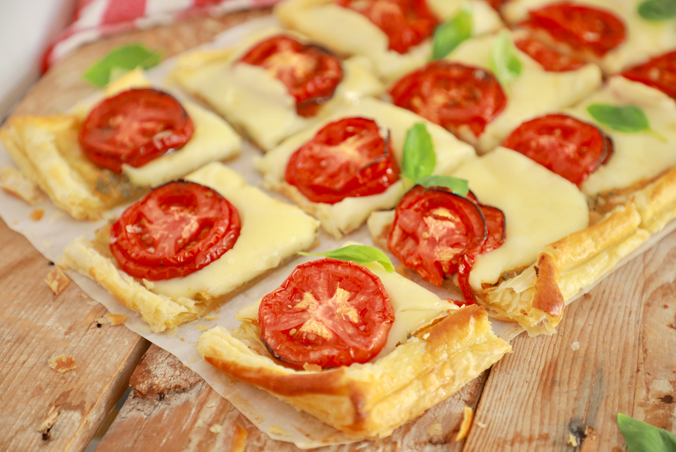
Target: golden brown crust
pixel 547 297
pixel 421 372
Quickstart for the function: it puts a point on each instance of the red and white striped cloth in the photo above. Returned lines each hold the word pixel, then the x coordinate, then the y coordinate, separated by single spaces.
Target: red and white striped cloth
pixel 95 19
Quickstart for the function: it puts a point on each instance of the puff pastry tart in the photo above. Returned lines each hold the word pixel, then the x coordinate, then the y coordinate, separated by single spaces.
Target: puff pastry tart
pixel 614 34
pixel 107 151
pixel 395 35
pixel 361 349
pixel 274 83
pixel 438 236
pixel 464 94
pixel 190 245
pixel 348 165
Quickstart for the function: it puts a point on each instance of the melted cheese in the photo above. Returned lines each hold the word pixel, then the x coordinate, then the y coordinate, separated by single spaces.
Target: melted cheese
pixel 352 212
pixel 213 139
pixel 540 207
pixel 271 232
pixel 357 35
pixel 250 97
pixel 637 156
pixel 413 305
pixel 645 38
pixel 534 93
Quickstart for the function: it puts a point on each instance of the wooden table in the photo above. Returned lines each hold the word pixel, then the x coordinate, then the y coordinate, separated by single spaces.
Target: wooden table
pixel 615 351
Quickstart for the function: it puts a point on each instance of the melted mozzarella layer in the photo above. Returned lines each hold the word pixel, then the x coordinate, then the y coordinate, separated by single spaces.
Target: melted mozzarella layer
pixel 250 97
pixel 271 232
pixel 534 93
pixel 357 35
pixel 637 156
pixel 645 38
pixel 540 207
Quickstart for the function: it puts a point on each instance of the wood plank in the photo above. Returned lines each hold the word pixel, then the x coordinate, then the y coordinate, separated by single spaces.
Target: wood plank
pixel 546 391
pixel 39 407
pixel 172 408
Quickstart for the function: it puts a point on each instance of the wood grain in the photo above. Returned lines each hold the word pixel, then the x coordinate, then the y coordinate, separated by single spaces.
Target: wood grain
pixel 39 407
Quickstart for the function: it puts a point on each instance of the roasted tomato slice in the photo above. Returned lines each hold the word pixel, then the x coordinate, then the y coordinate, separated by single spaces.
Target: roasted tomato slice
pixel 309 72
pixel 329 313
pixel 659 73
pixel 134 127
pixel 549 59
pixel 564 145
pixel 346 158
pixel 438 233
pixel 405 22
pixel 581 27
pixel 452 95
pixel 179 228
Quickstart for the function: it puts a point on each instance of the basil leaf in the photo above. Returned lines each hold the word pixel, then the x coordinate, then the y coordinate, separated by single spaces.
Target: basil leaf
pixel 120 60
pixel 458 186
pixel 361 254
pixel 419 157
pixel 505 62
pixel 449 35
pixel 642 437
pixel 657 9
pixel 627 119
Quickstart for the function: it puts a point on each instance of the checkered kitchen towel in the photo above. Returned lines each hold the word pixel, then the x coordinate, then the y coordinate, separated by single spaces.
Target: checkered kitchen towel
pixel 94 19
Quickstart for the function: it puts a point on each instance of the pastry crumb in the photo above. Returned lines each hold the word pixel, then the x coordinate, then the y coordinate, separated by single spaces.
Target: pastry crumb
pixel 57 280
pixel 36 214
pixel 46 425
pixel 15 183
pixel 277 430
pixel 575 345
pixel 210 317
pixel 191 359
pixel 480 424
pixel 199 423
pixel 572 440
pixel 116 319
pixel 62 363
pixel 467 418
pixel 435 429
pixel 215 428
pixel 239 437
pixel 312 367
pixel 202 328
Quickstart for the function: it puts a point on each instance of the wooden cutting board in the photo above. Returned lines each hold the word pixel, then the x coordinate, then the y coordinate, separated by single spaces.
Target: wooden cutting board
pixel 615 350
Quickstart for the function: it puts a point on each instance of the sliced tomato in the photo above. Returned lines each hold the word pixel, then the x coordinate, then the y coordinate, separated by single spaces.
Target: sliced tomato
pixel 564 145
pixel 309 72
pixel 452 95
pixel 346 158
pixel 580 27
pixel 327 312
pixel 405 22
pixel 177 229
pixel 659 73
pixel 134 127
pixel 549 59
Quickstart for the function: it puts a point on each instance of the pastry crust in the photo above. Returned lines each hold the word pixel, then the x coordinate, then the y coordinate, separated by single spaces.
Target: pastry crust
pixel 436 361
pixel 358 36
pixel 346 216
pixel 256 102
pixel 166 304
pixel 46 150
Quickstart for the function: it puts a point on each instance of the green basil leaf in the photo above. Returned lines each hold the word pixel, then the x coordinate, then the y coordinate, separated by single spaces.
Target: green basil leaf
pixel 121 59
pixel 419 157
pixel 657 9
pixel 505 62
pixel 450 34
pixel 627 119
pixel 642 437
pixel 361 254
pixel 458 186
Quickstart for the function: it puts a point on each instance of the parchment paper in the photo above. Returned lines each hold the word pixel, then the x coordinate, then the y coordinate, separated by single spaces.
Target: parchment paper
pixel 56 229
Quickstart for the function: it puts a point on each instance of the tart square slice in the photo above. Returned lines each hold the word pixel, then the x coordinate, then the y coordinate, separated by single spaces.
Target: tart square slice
pixel 108 151
pixel 488 85
pixel 190 245
pixel 395 35
pixel 274 83
pixel 613 34
pixel 348 165
pixel 359 348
